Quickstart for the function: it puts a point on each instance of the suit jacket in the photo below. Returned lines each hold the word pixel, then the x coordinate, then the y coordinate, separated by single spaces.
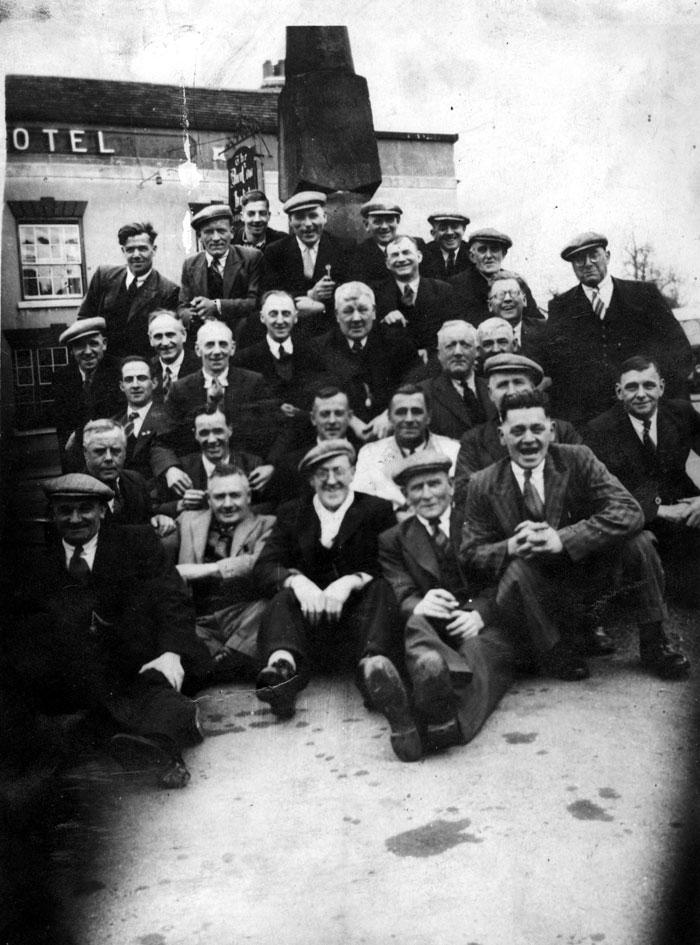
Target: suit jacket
pixel 284 269
pixel 582 355
pixel 73 407
pixel 241 278
pixel 433 264
pixel 590 509
pixel 471 291
pixel 410 565
pixel 147 454
pixel 664 480
pixel 376 462
pixel 248 540
pixel 194 467
pixel 434 304
pixel 131 336
pixel 190 365
pixel 294 544
pixel 136 500
pixel 368 263
pixel 132 588
pixel 448 413
pixel 371 377
pixel 304 365
pixel 481 446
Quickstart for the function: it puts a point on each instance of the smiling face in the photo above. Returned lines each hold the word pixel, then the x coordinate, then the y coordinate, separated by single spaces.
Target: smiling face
pixel 591 265
pixel 136 384
pixel 78 518
pixel 403 260
pixel 507 300
pixel 139 252
pixel 213 435
pixel 448 234
pixel 526 433
pixel 105 454
pixel 410 418
pixel 501 383
pixel 639 392
pixel 279 316
pixel 255 216
pixel 307 225
pixel 429 493
pixel 88 351
pixel 216 237
pixel 355 312
pixel 495 336
pixel 382 227
pixel 331 416
pixel 167 336
pixel 214 346
pixel 229 498
pixel 331 481
pixel 487 256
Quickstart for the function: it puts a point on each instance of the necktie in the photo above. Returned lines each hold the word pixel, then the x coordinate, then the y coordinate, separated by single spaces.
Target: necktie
pixel 130 421
pixel 132 290
pixel 215 392
pixel 167 379
pixel 598 306
pixel 474 408
pixel 78 568
pixel 408 296
pixel 308 263
pixel 450 264
pixel 534 506
pixel 215 282
pixel 440 539
pixel 220 541
pixel 647 442
pixel 118 504
pixel 283 354
pixel 356 347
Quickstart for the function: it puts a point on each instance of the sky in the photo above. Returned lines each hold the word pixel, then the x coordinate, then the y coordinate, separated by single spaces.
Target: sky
pixel 571 115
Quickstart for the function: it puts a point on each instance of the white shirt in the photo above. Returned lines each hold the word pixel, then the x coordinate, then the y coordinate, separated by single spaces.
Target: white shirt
pixel 605 291
pixel 220 261
pixel 443 522
pixel 141 416
pixel 537 477
pixel 413 284
pixel 209 466
pixel 638 426
pixel 88 552
pixel 459 385
pixel 139 279
pixel 209 379
pixel 174 368
pixel 274 346
pixel 331 521
pixel 351 341
pixel 311 251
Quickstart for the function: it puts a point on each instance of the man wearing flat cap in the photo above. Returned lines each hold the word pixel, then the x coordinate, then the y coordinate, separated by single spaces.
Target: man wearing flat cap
pixel 594 327
pixel 330 607
pixel 447 253
pixel 223 281
pixel 111 630
pixel 459 663
pixel 126 295
pixel 487 250
pixel 85 389
pixel 309 263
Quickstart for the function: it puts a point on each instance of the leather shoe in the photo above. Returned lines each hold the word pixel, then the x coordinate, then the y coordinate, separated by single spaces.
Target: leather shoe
pixel 562 663
pixel 278 685
pixel 386 694
pixel 660 658
pixel 138 753
pixel 435 701
pixel 594 641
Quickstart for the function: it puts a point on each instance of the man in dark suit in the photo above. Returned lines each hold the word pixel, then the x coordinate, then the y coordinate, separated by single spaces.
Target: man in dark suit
pixel 560 533
pixel 223 281
pixel 365 360
pixel 255 215
pixel 458 398
pixel 87 388
pixel 112 631
pixel 330 608
pixel 507 299
pixel 126 295
pixel 309 263
pixel 645 441
pixel 411 302
pixel 487 249
pixel 600 323
pixel 459 663
pixel 167 336
pixel 447 253
pixel 381 221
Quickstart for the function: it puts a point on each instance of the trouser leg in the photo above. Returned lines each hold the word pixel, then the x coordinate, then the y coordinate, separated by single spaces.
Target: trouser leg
pixel 641 572
pixel 491 657
pixel 284 627
pixel 528 599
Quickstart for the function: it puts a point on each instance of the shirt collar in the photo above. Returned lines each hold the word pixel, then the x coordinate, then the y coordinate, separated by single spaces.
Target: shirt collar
pixel 639 425
pixel 324 513
pixel 414 283
pixel 89 549
pixel 221 378
pixel 604 288
pixel 209 466
pixel 312 249
pixel 537 475
pixel 409 452
pixel 175 365
pixel 221 259
pixel 141 411
pixel 274 346
pixel 443 521
pixel 139 279
pixel 351 341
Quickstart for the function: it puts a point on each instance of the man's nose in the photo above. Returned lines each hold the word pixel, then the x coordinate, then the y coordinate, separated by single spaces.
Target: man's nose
pixel 74 516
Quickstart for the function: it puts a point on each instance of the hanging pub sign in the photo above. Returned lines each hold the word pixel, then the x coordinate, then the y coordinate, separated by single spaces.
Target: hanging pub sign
pixel 242 176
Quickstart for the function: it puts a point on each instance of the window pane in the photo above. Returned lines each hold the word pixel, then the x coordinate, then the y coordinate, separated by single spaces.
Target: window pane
pixel 45 356
pixel 45 375
pixel 45 286
pixel 25 377
pixel 54 249
pixel 23 357
pixel 60 356
pixel 43 248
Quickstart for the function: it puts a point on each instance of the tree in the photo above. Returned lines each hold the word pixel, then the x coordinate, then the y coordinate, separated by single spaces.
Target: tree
pixel 641 264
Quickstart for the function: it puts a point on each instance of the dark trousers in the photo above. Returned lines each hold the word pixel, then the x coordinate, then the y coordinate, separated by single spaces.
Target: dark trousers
pixel 545 600
pixel 679 549
pixel 368 626
pixel 481 668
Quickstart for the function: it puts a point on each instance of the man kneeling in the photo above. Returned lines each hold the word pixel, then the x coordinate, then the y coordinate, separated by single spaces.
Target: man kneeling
pixel 459 663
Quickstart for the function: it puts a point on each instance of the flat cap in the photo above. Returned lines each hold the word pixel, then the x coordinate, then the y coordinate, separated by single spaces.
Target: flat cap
pixel 77 485
pixel 327 449
pixel 377 208
pixel 448 215
pixel 488 235
pixel 215 211
pixel 513 362
pixel 84 326
pixel 587 240
pixel 422 461
pixel 305 200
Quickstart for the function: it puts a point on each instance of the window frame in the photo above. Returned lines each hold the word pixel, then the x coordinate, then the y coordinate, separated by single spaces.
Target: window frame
pixel 50 222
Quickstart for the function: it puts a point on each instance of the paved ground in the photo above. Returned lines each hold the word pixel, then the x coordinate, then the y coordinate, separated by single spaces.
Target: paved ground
pixel 556 826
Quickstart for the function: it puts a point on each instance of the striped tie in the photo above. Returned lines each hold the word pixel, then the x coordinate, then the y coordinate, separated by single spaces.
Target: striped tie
pixel 598 305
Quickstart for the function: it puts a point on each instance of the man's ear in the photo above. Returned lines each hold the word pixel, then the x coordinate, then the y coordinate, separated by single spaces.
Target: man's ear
pixel 618 391
pixel 501 435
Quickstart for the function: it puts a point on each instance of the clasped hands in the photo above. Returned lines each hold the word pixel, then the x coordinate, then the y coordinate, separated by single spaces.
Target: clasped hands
pixel 440 604
pixel 316 603
pixel 531 539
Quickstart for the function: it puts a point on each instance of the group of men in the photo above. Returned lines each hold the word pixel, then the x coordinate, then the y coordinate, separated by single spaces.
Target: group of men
pixel 380 458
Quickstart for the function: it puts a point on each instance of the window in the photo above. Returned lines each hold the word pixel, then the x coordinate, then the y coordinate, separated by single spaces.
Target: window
pixel 35 357
pixel 51 260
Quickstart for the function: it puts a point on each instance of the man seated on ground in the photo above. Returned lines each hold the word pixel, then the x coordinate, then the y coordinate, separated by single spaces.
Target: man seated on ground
pixel 458 662
pixel 167 336
pixel 213 433
pixel 218 548
pixel 330 608
pixel 414 303
pixel 458 398
pixel 104 449
pixel 493 336
pixel 447 253
pixel 366 360
pixel 507 299
pixel 487 248
pixel 409 416
pixel 112 631
pixel 561 534
pixel 645 441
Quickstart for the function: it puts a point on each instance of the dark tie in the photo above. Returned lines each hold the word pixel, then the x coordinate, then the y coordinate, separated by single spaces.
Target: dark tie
pixel 356 347
pixel 474 408
pixel 118 504
pixel 647 442
pixel 534 506
pixel 167 379
pixel 219 542
pixel 132 290
pixel 130 421
pixel 215 394
pixel 408 296
pixel 440 539
pixel 215 282
pixel 78 568
pixel 450 264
